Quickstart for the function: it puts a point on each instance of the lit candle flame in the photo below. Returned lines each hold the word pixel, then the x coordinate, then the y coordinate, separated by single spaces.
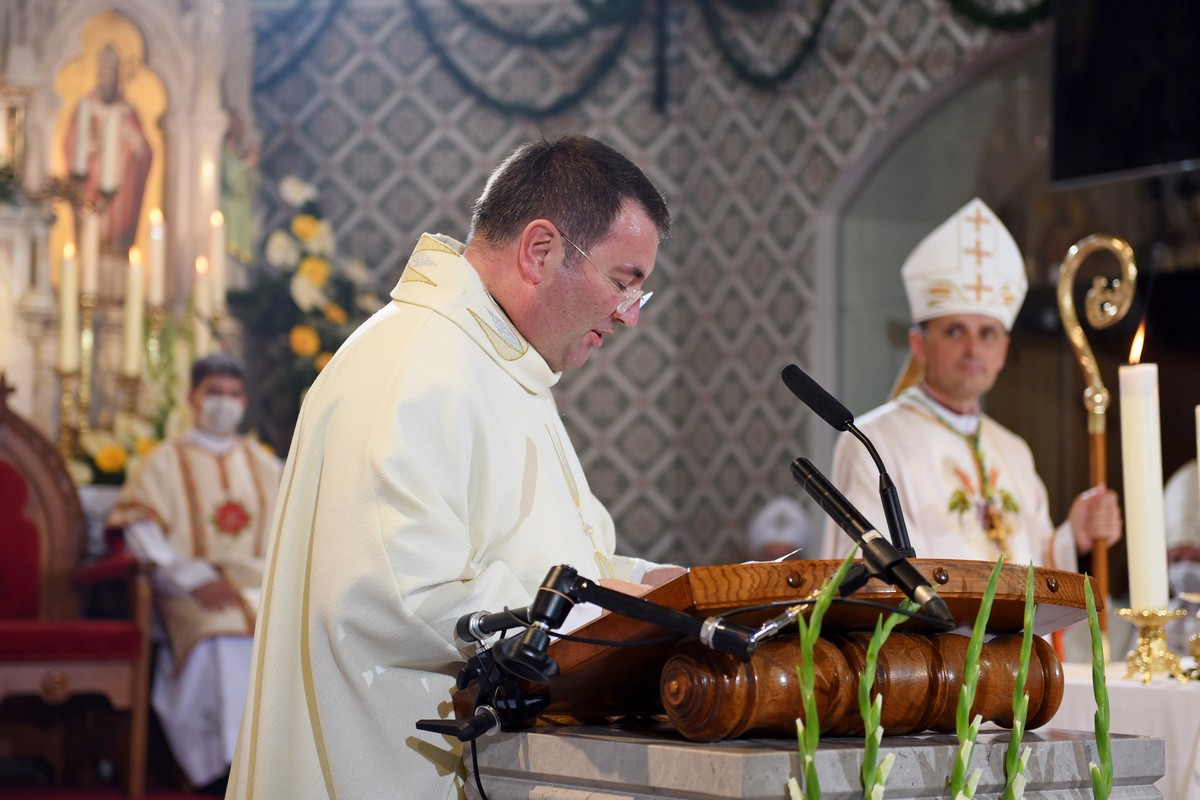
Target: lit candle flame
pixel 156 216
pixel 216 218
pixel 201 264
pixel 1135 352
pixel 69 250
pixel 135 257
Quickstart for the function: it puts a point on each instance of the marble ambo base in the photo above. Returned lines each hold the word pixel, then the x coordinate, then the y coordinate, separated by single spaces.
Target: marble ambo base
pixel 574 763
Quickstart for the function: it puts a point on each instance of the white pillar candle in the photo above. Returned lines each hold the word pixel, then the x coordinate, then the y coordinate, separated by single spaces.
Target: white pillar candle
pixel 131 351
pixel 216 260
pixel 1141 459
pixel 108 150
pixel 89 253
pixel 79 155
pixel 157 261
pixel 201 307
pixel 68 312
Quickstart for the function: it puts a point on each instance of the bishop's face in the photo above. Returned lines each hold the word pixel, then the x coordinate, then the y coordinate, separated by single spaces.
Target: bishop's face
pixel 962 354
pixel 579 307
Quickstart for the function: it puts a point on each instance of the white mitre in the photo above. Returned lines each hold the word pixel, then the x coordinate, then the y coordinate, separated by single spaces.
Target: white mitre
pixel 968 265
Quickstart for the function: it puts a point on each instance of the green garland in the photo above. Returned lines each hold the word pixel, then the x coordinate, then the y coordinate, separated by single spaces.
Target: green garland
pixel 717 28
pixel 285 28
pixel 626 14
pixel 1006 21
pixel 598 15
pixel 603 64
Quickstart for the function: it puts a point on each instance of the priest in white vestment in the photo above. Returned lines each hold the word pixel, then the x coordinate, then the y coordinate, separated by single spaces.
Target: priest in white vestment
pixel 430 476
pixel 968 486
pixel 197 508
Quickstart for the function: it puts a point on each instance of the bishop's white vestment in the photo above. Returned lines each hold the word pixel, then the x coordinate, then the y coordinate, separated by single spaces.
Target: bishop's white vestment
pixel 430 476
pixel 967 485
pixel 197 507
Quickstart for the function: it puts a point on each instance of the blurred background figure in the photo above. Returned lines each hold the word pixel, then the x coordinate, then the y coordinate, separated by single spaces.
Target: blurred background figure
pixel 1181 513
pixel 780 528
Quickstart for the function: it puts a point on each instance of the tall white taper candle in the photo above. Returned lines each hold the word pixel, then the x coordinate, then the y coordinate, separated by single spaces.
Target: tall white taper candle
pixel 68 312
pixel 131 351
pixel 216 260
pixel 156 264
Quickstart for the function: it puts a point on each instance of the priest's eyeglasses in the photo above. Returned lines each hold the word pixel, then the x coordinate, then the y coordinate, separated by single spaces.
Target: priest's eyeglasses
pixel 631 296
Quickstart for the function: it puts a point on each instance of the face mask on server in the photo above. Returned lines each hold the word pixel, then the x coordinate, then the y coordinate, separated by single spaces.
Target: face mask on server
pixel 220 414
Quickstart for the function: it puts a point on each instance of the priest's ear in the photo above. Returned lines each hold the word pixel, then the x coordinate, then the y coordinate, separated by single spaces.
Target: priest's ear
pixel 916 348
pixel 539 250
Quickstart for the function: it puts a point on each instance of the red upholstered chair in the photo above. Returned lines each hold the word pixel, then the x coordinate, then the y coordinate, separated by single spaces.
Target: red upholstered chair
pixel 50 657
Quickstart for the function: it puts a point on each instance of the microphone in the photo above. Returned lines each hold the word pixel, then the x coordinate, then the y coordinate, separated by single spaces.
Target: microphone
pixel 878 554
pixel 525 656
pixel 479 625
pixel 838 417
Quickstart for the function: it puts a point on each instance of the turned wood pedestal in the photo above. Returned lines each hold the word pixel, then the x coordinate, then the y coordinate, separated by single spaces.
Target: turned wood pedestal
pixel 709 696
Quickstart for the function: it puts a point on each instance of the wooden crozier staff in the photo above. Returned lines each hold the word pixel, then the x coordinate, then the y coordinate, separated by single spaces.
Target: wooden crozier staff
pixel 1105 304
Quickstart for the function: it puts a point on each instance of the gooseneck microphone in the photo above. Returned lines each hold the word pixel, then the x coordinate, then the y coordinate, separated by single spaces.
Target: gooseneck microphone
pixel 838 417
pixel 881 558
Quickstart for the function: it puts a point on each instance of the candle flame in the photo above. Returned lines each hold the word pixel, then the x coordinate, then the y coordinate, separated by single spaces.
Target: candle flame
pixel 1135 352
pixel 135 257
pixel 201 265
pixel 216 218
pixel 156 216
pixel 69 250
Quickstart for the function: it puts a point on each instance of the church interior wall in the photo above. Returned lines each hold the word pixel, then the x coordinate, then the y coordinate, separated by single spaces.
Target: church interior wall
pixel 683 425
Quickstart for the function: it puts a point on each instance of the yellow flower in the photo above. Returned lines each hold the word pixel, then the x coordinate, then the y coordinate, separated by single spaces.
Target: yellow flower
pixel 110 458
pixel 314 269
pixel 335 313
pixel 304 341
pixel 322 359
pixel 305 226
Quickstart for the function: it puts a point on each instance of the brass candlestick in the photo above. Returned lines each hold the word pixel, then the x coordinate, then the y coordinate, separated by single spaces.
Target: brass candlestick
pixel 129 388
pixel 68 424
pixel 154 352
pixel 1152 653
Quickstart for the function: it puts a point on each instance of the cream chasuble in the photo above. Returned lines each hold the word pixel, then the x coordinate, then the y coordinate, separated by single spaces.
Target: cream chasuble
pixel 430 476
pixel 211 507
pixel 963 497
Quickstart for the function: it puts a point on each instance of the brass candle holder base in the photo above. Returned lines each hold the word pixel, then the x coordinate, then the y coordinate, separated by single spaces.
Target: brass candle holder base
pixel 1151 655
pixel 129 388
pixel 68 422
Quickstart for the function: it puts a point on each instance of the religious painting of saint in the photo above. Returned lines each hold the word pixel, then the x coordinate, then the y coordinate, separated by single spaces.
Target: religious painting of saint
pixel 109 137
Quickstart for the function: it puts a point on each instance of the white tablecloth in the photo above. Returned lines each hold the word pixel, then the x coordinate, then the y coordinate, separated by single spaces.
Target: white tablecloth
pixel 1163 708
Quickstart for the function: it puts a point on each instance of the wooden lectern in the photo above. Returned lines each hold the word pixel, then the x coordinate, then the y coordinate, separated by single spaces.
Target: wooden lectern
pixel 709 696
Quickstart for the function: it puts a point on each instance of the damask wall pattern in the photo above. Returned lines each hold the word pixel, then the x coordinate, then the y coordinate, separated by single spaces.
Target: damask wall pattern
pixel 682 424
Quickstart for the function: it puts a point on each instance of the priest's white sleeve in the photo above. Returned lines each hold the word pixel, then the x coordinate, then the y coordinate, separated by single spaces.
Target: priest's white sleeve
pixel 173 573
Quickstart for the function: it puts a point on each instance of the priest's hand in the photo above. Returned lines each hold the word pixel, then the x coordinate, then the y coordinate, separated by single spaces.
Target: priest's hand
pixel 1095 517
pixel 625 587
pixel 216 595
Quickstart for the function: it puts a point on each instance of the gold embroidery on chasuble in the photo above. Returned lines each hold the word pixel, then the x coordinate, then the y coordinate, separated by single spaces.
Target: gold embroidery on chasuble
pixel 992 506
pixel 503 337
pixel 602 563
pixel 421 258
